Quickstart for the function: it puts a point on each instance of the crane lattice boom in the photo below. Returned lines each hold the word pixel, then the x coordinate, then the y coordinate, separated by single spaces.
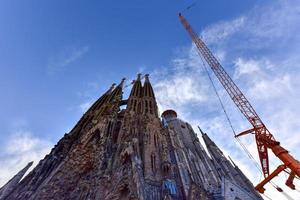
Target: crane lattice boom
pixel 264 139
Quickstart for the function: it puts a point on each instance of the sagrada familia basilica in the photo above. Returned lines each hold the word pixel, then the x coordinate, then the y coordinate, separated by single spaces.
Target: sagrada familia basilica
pixel 132 153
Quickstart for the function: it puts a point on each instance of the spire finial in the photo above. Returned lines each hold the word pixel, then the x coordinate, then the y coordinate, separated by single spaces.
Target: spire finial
pixel 147 77
pixel 122 82
pixel 201 130
pixel 112 86
pixel 139 76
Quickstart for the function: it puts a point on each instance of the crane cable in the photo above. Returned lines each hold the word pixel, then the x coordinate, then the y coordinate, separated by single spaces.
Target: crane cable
pixel 189 7
pixel 296 177
pixel 266 196
pixel 227 117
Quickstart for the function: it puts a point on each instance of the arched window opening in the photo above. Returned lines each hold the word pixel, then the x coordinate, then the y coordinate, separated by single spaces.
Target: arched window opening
pixel 108 130
pixel 147 138
pixel 134 106
pixel 124 192
pixel 125 158
pixel 166 168
pixel 97 133
pixel 180 156
pixel 151 110
pixel 153 162
pixel 139 107
pixel 146 106
pixel 135 148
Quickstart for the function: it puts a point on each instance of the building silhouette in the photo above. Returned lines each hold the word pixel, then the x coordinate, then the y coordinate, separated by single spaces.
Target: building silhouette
pixel 131 153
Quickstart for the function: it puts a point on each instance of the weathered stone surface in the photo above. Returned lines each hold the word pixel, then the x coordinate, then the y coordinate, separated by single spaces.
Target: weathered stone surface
pixel 116 154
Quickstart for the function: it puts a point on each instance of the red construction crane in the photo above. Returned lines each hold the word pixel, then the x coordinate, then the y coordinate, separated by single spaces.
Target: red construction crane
pixel 264 139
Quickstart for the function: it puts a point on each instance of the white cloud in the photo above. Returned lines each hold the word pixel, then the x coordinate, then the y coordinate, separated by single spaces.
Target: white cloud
pixel 222 30
pixel 181 86
pixel 85 106
pixel 246 67
pixel 272 88
pixel 20 148
pixel 178 90
pixel 65 57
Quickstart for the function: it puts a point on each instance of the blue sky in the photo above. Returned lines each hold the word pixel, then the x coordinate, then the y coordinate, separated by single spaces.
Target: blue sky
pixel 57 57
pixel 105 41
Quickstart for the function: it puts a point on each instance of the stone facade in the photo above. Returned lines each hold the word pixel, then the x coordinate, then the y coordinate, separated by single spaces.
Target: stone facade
pixel 131 153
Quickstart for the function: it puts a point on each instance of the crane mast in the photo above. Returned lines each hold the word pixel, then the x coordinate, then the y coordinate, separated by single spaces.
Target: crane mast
pixel 264 138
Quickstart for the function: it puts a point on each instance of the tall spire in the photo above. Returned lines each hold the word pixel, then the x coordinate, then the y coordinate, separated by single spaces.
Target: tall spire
pixel 224 166
pixel 102 99
pixel 149 102
pixel 111 100
pixel 118 90
pixel 147 89
pixel 137 87
pixel 116 94
pixel 134 100
pixel 12 183
pixel 209 142
pixel 227 168
pixel 202 133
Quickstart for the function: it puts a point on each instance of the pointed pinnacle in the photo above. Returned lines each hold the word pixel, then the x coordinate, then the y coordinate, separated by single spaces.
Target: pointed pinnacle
pixel 139 76
pixel 201 130
pixel 147 77
pixel 112 87
pixel 30 163
pixel 122 82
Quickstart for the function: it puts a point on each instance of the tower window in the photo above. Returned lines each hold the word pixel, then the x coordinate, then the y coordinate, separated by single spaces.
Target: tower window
pixel 153 162
pixel 151 110
pixel 146 106
pixel 155 140
pixel 108 130
pixel 139 107
pixel 134 106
